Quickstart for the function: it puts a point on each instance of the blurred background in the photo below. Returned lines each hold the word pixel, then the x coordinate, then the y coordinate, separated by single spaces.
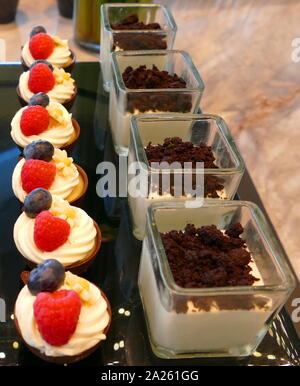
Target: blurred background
pixel 245 51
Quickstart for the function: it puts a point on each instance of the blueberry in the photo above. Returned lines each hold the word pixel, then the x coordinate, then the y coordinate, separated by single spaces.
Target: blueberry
pixel 42 150
pixel 37 29
pixel 47 277
pixel 40 98
pixel 42 61
pixel 37 200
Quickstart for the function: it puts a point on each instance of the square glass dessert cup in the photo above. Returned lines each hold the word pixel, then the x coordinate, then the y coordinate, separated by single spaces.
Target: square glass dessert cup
pixel 125 102
pixel 119 40
pixel 211 130
pixel 211 322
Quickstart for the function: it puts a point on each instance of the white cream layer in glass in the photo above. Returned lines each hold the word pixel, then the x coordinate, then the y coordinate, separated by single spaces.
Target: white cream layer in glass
pixel 197 331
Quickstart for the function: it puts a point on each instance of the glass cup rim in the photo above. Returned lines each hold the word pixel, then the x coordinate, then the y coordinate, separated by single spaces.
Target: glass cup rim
pixel 288 281
pixel 188 62
pixel 223 130
pixel 167 13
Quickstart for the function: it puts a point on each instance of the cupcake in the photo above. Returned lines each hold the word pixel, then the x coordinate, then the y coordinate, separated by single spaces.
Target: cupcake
pixel 43 77
pixel 46 120
pixel 42 45
pixel 44 166
pixel 61 317
pixel 50 228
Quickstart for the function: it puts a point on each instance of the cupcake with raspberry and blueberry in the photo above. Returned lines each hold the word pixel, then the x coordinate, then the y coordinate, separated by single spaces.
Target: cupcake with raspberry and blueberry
pixel 43 77
pixel 42 45
pixel 61 317
pixel 44 166
pixel 47 120
pixel 50 228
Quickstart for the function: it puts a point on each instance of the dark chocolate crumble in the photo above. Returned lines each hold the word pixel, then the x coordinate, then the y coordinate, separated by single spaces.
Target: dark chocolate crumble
pixel 176 150
pixel 143 78
pixel 132 22
pixel 138 41
pixel 206 258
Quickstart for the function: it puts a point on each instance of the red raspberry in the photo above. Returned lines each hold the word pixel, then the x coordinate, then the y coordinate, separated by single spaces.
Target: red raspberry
pixel 34 120
pixel 41 46
pixel 41 78
pixel 57 314
pixel 50 232
pixel 36 173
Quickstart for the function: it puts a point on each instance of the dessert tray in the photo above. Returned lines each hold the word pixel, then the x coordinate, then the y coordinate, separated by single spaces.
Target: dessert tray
pixel 116 267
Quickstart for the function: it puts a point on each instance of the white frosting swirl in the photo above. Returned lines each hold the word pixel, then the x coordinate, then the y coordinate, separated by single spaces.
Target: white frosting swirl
pixel 60 56
pixel 65 181
pixel 59 132
pixel 93 320
pixel 62 91
pixel 81 242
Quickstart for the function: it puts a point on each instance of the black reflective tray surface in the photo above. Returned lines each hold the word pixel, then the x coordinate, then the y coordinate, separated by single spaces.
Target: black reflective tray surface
pixel 116 267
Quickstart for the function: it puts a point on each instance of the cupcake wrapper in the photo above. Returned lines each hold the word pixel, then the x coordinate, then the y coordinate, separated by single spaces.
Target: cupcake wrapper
pixel 70 145
pixel 79 200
